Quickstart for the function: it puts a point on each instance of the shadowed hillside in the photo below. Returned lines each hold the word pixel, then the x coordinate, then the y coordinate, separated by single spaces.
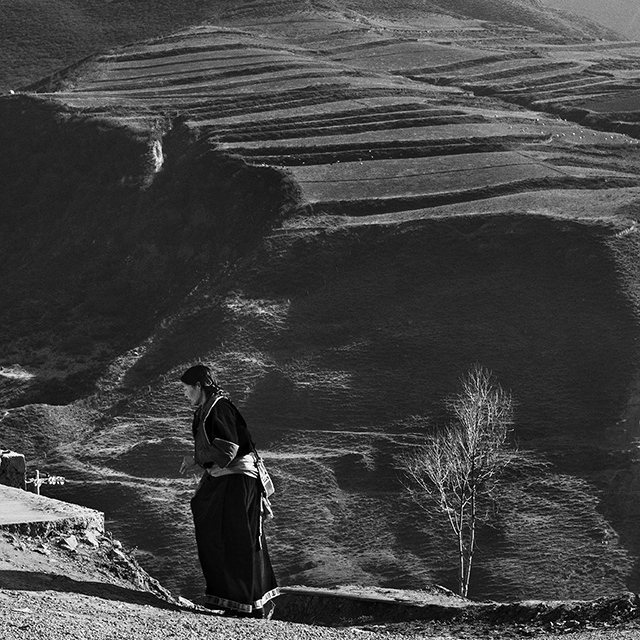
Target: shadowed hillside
pixel 99 255
pixel 39 38
pixel 343 209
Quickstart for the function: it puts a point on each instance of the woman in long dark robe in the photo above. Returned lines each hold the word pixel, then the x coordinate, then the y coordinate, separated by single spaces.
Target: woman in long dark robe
pixel 228 506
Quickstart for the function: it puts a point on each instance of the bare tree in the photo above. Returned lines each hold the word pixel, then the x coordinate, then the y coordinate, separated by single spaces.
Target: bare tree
pixel 461 464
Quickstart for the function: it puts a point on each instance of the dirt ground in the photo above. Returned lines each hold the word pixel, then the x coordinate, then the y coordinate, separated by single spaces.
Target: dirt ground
pixel 85 585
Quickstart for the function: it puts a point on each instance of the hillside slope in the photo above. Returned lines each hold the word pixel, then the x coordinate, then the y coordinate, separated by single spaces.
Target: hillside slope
pixel 620 15
pixel 39 38
pixel 343 210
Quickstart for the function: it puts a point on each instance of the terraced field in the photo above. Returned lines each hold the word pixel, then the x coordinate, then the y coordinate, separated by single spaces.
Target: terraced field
pixel 596 85
pixel 373 102
pixel 394 198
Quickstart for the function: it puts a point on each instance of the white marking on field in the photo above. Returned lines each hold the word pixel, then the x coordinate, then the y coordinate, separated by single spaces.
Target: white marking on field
pixel 157 155
pixel 632 229
pixel 16 372
pixel 270 311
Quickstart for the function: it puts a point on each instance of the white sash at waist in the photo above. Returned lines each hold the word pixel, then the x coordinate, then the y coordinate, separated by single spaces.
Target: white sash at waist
pixel 245 465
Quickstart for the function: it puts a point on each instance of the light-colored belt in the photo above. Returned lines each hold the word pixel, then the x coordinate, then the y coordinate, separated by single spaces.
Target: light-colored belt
pixel 245 465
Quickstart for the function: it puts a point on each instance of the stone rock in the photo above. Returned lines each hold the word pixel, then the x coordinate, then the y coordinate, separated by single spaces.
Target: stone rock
pixel 92 537
pixel 70 543
pixel 12 469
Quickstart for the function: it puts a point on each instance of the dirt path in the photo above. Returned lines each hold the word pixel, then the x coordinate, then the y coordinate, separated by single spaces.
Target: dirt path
pixel 58 615
pixel 54 589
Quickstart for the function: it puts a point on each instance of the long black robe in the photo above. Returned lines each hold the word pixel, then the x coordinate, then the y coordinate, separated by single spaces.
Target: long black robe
pixel 227 516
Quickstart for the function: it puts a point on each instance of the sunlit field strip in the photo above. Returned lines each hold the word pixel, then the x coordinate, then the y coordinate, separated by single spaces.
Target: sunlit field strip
pixel 533 71
pixel 278 83
pixel 213 71
pixel 515 67
pixel 616 102
pixel 513 78
pixel 416 57
pixel 421 48
pixel 186 64
pixel 392 118
pixel 274 133
pixel 480 67
pixel 283 79
pixel 586 83
pixel 328 110
pixel 397 116
pixel 326 99
pixel 176 45
pixel 409 166
pixel 442 132
pixel 423 183
pixel 359 41
pixel 472 64
pixel 231 106
pixel 304 25
pixel 578 97
pixel 524 188
pixel 592 46
pixel 140 56
pixel 280 153
pixel 354 114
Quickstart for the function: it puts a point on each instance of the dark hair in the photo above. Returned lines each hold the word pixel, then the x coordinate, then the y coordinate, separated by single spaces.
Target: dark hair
pixel 202 374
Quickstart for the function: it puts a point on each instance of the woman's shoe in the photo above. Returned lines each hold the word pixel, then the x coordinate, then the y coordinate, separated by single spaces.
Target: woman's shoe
pixel 261 613
pixel 232 613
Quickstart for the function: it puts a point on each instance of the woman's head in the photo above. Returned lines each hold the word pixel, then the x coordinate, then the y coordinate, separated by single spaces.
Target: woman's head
pixel 199 383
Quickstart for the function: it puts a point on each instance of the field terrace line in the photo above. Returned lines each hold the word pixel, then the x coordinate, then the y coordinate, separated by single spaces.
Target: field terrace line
pixel 366 116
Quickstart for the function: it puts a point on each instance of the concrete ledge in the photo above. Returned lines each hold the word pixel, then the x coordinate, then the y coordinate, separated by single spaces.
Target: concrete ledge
pixel 346 606
pixel 31 514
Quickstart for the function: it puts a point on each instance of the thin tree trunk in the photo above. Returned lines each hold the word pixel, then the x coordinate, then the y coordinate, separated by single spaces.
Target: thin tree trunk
pixel 461 550
pixel 461 566
pixel 472 543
